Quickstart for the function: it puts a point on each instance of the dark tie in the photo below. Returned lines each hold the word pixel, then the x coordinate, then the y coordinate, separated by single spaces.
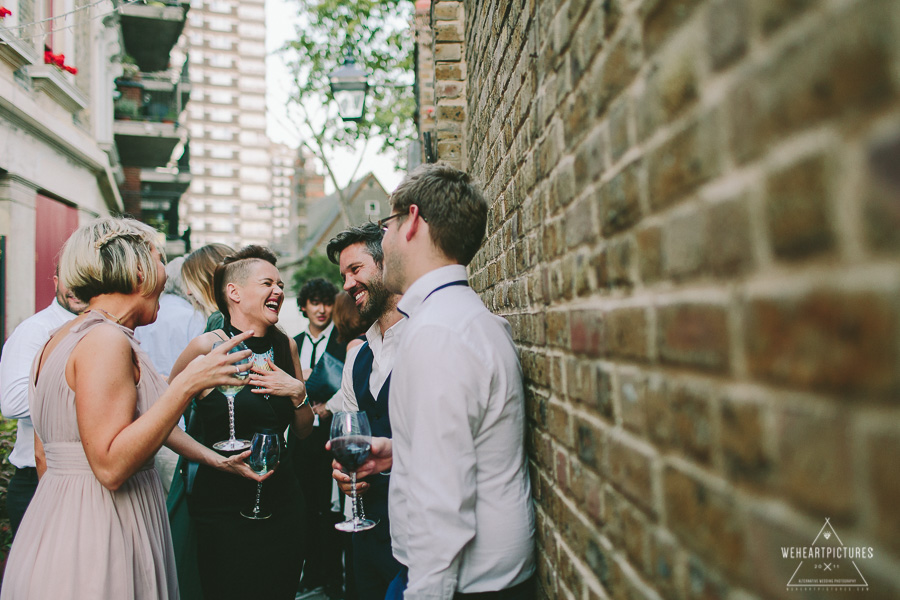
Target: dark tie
pixel 312 357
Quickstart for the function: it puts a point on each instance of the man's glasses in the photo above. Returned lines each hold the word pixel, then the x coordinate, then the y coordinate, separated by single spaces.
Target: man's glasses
pixel 383 223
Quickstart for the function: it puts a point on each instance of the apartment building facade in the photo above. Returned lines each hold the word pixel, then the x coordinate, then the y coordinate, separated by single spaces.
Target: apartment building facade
pixel 231 195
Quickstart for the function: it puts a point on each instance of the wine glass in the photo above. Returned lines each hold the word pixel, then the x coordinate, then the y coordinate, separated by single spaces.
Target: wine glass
pixel 351 442
pixel 230 391
pixel 265 452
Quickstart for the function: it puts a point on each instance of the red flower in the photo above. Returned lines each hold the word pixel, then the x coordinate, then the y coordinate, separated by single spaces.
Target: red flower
pixel 4 12
pixel 71 70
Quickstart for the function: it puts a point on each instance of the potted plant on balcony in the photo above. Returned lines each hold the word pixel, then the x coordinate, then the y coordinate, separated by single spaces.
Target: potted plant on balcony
pixel 125 109
pixel 171 117
pixel 130 70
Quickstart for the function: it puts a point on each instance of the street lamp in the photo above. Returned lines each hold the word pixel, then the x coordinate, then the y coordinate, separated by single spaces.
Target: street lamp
pixel 349 85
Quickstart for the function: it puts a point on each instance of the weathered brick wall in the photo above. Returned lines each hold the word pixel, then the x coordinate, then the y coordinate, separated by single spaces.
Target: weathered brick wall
pixel 694 234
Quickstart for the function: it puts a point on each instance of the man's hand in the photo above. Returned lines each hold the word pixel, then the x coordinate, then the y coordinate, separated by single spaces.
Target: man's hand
pixel 381 459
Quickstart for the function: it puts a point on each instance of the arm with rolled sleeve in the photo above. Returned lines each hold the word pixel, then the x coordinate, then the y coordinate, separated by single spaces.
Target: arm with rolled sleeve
pixel 345 398
pixel 441 390
pixel 19 353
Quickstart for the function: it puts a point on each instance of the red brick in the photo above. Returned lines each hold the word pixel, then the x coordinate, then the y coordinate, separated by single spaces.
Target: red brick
pixel 882 199
pixel 797 208
pixel 626 332
pixel 587 333
pixel 814 461
pixel 694 334
pixel 705 519
pixel 620 200
pixel 684 162
pixel 630 467
pixel 743 440
pixel 829 339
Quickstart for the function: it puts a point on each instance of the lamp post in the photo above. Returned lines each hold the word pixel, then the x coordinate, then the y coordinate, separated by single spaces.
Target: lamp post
pixel 349 86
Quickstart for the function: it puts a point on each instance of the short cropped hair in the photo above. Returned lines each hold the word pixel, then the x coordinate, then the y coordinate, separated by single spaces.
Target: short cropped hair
pixel 108 256
pixel 318 290
pixel 451 203
pixel 369 233
pixel 198 271
pixel 235 268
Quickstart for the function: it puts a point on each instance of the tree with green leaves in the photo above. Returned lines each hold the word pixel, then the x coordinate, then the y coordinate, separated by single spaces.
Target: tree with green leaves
pixel 313 266
pixel 377 34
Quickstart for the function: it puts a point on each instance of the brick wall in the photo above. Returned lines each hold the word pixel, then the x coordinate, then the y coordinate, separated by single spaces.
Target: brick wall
pixel 694 234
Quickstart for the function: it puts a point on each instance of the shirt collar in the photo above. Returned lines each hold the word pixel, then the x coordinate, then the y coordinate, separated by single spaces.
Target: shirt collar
pixel 60 311
pixel 376 340
pixel 427 283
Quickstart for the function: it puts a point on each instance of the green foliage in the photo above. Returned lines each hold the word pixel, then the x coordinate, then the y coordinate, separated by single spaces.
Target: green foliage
pixel 376 33
pixel 7 441
pixel 316 265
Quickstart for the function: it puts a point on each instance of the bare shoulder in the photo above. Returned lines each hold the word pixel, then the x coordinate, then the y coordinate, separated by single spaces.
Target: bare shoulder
pixel 102 341
pixel 204 342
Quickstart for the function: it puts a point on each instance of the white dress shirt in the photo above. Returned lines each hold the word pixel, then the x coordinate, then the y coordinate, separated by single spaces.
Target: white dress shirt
pixel 384 350
pixel 176 324
pixel 307 349
pixel 19 353
pixel 460 499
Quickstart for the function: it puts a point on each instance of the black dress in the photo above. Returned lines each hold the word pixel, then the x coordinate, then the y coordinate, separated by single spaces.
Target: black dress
pixel 238 557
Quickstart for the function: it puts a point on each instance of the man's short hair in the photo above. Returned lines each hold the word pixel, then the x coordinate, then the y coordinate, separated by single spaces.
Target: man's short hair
pixel 369 233
pixel 451 203
pixel 318 290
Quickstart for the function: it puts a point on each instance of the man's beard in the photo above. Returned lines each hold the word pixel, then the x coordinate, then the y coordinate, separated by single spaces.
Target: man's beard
pixel 376 303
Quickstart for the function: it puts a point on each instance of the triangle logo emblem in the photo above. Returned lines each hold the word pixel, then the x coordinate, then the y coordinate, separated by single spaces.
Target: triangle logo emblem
pixel 827 564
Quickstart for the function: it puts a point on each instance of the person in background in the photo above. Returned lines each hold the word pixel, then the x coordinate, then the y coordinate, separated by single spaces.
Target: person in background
pixel 96 527
pixel 312 463
pixel 197 271
pixel 462 519
pixel 19 353
pixel 366 387
pixel 164 340
pixel 177 323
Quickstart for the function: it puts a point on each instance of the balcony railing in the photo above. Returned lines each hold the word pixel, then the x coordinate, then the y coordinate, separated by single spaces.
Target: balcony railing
pixel 150 30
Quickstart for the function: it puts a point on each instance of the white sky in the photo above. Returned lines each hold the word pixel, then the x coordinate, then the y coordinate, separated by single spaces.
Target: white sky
pixel 280 18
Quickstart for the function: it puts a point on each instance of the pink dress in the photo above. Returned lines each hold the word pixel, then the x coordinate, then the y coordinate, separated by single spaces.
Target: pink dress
pixel 79 539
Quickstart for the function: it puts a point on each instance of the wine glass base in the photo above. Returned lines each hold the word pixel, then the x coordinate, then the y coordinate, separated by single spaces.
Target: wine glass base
pixel 356 525
pixel 231 445
pixel 256 516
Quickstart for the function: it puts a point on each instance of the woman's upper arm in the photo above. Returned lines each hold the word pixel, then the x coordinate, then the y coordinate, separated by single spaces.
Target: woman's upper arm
pixel 103 377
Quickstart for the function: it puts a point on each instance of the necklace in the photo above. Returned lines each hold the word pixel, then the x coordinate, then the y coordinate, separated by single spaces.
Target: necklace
pixel 108 314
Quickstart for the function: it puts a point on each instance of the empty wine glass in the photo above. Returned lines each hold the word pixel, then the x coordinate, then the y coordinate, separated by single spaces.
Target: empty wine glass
pixel 230 391
pixel 351 443
pixel 265 452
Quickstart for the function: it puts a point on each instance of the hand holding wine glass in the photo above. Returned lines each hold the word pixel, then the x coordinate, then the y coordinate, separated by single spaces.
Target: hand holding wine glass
pixel 351 442
pixel 230 390
pixel 265 452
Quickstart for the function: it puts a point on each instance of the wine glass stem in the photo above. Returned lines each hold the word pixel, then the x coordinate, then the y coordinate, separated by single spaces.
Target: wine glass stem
pixel 258 492
pixel 231 417
pixel 353 496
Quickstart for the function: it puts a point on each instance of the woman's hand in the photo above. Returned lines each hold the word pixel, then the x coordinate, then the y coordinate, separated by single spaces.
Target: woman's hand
pixel 275 382
pixel 213 368
pixel 235 464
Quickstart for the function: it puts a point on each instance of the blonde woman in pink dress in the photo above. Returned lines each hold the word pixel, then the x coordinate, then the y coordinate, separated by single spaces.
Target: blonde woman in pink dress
pixel 97 527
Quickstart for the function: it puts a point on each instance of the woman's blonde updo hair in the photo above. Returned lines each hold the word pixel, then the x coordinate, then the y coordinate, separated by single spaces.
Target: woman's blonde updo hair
pixel 110 256
pixel 197 272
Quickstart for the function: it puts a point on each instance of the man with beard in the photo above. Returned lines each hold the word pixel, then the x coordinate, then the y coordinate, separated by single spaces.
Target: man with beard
pixel 15 370
pixel 365 387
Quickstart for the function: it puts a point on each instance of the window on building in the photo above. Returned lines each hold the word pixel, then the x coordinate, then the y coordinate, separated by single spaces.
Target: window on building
pixel 372 208
pixel 222 79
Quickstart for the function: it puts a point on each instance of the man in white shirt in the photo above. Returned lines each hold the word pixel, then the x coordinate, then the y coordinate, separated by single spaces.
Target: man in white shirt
pixel 365 386
pixel 462 519
pixel 19 353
